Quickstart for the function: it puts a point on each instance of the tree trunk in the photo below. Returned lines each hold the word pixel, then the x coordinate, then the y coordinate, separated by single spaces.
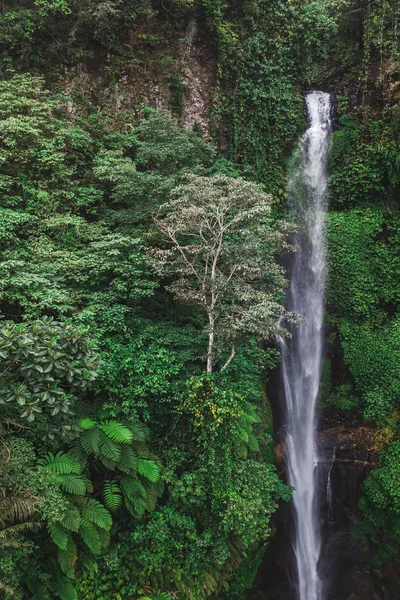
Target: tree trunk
pixel 210 344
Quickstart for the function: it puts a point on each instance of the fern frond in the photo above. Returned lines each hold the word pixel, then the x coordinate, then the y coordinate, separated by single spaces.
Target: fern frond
pixel 90 440
pixel 151 496
pixel 79 453
pixel 109 448
pixel 128 462
pixel 90 536
pixel 136 509
pixel 139 431
pixel 65 589
pixel 149 469
pixel 71 518
pixel 59 535
pixel 87 561
pixel 241 449
pixel 134 495
pixel 87 423
pixel 96 513
pixel 8 592
pixel 73 484
pixel 16 508
pixel 243 435
pixel 117 432
pixel 111 465
pixel 67 558
pixel 132 488
pixel 9 532
pixel 104 536
pixel 249 418
pixel 61 463
pixel 112 495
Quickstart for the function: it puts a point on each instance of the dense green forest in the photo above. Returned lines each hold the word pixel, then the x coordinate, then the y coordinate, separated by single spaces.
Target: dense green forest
pixel 138 328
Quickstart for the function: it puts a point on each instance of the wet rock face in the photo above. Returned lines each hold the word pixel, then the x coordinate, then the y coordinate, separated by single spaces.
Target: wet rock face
pixel 199 66
pixel 346 457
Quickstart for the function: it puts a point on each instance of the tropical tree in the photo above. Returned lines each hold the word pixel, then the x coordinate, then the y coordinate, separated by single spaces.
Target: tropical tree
pixel 46 367
pixel 221 244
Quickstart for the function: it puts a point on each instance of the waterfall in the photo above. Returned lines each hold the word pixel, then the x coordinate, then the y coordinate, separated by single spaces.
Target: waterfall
pixel 302 353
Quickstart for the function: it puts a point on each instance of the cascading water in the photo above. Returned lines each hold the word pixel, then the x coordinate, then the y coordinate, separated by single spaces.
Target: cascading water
pixel 301 354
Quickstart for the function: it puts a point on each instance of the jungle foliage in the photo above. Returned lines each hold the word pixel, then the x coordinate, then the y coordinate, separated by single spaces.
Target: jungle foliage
pixel 125 470
pixel 363 239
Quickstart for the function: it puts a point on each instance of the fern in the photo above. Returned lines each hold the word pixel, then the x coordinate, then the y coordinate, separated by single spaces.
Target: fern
pixel 65 589
pixel 134 494
pixel 243 435
pixel 59 535
pixel 61 463
pixel 111 465
pixel 112 495
pixel 67 558
pixel 94 511
pixel 110 449
pixel 71 518
pixel 128 462
pixel 8 592
pixel 241 449
pixel 139 431
pixel 7 533
pixel 87 560
pixel 87 423
pixel 117 432
pixel 132 488
pixel 104 536
pixel 151 496
pixel 149 469
pixel 90 536
pixel 74 484
pixel 90 440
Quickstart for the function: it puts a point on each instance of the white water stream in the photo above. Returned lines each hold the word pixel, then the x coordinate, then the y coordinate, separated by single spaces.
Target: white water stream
pixel 302 353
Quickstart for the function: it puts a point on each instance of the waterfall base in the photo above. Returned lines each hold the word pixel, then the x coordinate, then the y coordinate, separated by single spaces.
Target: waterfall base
pixel 342 562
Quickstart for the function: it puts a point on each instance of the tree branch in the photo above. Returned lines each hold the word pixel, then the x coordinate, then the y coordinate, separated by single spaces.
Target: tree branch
pixel 231 357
